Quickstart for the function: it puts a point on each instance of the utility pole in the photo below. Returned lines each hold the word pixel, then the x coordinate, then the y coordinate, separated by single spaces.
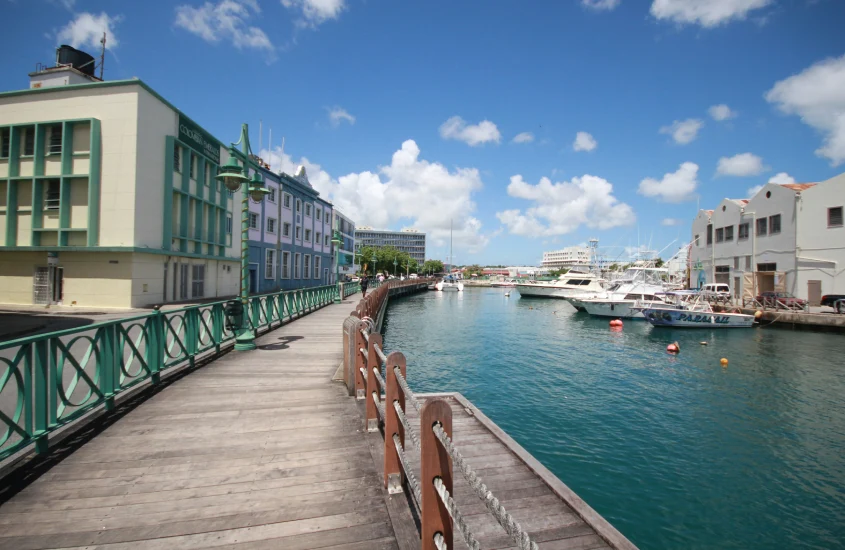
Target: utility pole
pixel 102 55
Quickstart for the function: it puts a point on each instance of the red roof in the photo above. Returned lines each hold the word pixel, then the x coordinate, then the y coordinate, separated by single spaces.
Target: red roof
pixel 798 186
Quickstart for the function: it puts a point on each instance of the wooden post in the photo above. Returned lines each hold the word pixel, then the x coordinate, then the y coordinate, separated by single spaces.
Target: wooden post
pixel 393 474
pixel 360 343
pixel 435 462
pixel 372 384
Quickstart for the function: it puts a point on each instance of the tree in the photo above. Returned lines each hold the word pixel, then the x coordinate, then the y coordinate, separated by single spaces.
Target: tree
pixel 473 270
pixel 559 272
pixel 432 266
pixel 658 262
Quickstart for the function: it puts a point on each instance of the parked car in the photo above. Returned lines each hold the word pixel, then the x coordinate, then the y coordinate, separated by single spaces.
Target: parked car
pixel 413 276
pixel 721 290
pixel 782 299
pixel 836 301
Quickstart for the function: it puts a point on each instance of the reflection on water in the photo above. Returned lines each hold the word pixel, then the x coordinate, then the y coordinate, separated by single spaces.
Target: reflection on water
pixel 676 451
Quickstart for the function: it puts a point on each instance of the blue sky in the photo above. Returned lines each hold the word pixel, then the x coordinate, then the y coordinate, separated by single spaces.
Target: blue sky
pixel 405 113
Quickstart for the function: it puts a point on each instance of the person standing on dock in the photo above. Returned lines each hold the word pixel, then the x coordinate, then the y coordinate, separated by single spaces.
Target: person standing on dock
pixel 364 284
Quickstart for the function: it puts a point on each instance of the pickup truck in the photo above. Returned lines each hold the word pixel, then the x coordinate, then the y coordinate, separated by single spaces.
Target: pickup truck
pixel 836 301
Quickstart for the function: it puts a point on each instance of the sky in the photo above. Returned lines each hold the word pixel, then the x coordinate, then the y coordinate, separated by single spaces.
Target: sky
pixel 523 126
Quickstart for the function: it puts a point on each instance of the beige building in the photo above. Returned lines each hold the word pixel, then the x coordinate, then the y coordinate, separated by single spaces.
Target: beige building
pixel 108 197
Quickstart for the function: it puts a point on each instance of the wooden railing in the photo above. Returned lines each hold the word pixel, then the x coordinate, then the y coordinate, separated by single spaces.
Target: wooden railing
pixel 386 396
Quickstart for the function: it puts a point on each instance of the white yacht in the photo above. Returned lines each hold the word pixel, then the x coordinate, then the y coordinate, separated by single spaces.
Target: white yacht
pixel 449 283
pixel 578 281
pixel 637 288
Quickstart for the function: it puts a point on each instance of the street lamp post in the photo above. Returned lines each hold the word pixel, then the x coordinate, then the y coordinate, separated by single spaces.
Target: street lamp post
pixel 395 263
pixel 233 176
pixel 337 241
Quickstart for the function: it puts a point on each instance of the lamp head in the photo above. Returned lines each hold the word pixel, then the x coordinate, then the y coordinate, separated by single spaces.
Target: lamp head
pixel 257 189
pixel 231 174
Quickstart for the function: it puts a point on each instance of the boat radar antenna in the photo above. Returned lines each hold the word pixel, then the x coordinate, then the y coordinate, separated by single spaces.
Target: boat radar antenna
pixel 102 54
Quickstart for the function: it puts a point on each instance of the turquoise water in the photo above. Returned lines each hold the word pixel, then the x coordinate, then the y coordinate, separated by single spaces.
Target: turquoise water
pixel 675 451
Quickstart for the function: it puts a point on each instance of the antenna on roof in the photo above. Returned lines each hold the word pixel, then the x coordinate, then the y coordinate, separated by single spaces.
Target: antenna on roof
pixel 102 55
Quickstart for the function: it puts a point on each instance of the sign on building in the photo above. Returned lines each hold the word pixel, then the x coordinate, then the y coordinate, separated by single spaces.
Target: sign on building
pixel 199 139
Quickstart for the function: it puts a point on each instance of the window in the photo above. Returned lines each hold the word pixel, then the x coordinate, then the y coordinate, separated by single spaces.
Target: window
pixel 296 258
pixel 308 210
pixel 228 224
pixel 54 145
pixel 318 214
pixel 774 224
pixel 761 227
pixel 709 234
pixel 286 230
pixel 51 195
pixel 177 158
pixel 271 226
pixel 729 233
pixel 285 265
pixel 28 142
pixel 697 243
pixel 307 263
pixel 720 234
pixel 298 206
pixel 298 233
pixel 269 263
pixel 736 263
pixel 253 221
pixel 748 263
pixel 723 269
pixel 318 238
pixel 308 235
pixel 834 216
pixel 317 266
pixel 767 267
pixel 328 240
pixel 286 200
pixel 192 163
pixel 272 196
pixel 4 142
pixel 198 281
pixel 743 231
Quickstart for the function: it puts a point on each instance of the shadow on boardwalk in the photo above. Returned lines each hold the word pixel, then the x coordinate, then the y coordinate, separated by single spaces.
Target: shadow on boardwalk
pixel 252 450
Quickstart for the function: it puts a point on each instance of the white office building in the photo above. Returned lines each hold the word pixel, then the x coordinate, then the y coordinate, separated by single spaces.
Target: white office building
pixel 785 238
pixel 407 240
pixel 566 257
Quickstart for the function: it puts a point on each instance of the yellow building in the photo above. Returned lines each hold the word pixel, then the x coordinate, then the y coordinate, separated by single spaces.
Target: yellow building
pixel 108 197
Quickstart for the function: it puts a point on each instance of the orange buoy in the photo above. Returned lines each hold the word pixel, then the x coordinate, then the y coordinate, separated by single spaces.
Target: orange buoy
pixel 673 348
pixel 616 323
pixel 724 362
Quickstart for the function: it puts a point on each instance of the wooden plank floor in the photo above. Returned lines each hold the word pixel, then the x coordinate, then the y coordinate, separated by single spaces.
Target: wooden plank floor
pixel 255 450
pixel 529 498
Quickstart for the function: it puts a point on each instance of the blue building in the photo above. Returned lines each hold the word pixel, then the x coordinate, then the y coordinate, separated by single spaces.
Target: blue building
pixel 346 226
pixel 290 235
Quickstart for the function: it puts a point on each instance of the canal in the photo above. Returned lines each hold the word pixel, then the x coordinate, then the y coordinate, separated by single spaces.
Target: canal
pixel 675 451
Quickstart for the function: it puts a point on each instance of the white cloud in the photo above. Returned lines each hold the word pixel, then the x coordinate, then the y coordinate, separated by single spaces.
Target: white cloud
pixel 338 115
pixel 671 222
pixel 409 191
pixel 817 95
pixel 562 207
pixel 675 186
pixel 472 134
pixel 86 30
pixel 743 164
pixel 721 112
pixel 707 13
pixel 524 137
pixel 683 131
pixel 315 12
pixel 600 5
pixel 584 142
pixel 227 19
pixel 781 178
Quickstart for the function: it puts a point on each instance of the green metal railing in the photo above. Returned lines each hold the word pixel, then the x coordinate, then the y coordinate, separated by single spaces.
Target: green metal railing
pixel 50 380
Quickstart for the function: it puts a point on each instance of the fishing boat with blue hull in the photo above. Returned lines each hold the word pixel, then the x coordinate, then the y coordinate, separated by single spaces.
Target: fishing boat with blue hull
pixel 688 318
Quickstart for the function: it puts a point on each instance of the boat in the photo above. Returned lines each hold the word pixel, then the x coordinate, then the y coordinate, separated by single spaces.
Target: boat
pixel 578 281
pixel 637 288
pixel 686 309
pixel 507 283
pixel 450 282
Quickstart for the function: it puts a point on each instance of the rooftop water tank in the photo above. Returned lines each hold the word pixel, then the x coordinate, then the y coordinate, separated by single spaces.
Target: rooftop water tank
pixel 79 60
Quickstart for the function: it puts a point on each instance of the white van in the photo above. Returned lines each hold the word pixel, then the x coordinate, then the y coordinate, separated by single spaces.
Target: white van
pixel 716 289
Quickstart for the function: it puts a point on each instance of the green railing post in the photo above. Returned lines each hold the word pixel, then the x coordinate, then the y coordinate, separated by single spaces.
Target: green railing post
pixel 255 313
pixel 218 321
pixel 39 397
pixel 192 334
pixel 108 362
pixel 154 354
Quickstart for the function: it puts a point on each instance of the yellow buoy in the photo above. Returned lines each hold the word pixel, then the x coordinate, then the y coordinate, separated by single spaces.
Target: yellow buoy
pixel 703 343
pixel 757 315
pixel 724 362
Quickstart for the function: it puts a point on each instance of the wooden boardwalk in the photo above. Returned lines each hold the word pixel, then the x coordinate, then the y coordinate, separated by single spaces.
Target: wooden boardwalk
pixel 255 450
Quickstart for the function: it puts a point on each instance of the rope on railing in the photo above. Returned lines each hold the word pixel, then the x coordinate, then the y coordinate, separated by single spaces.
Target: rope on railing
pixel 380 353
pixel 440 542
pixel 407 389
pixel 363 373
pixel 409 473
pixel 409 428
pixel 379 405
pixel 379 378
pixel 365 353
pixel 507 522
pixel 455 514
